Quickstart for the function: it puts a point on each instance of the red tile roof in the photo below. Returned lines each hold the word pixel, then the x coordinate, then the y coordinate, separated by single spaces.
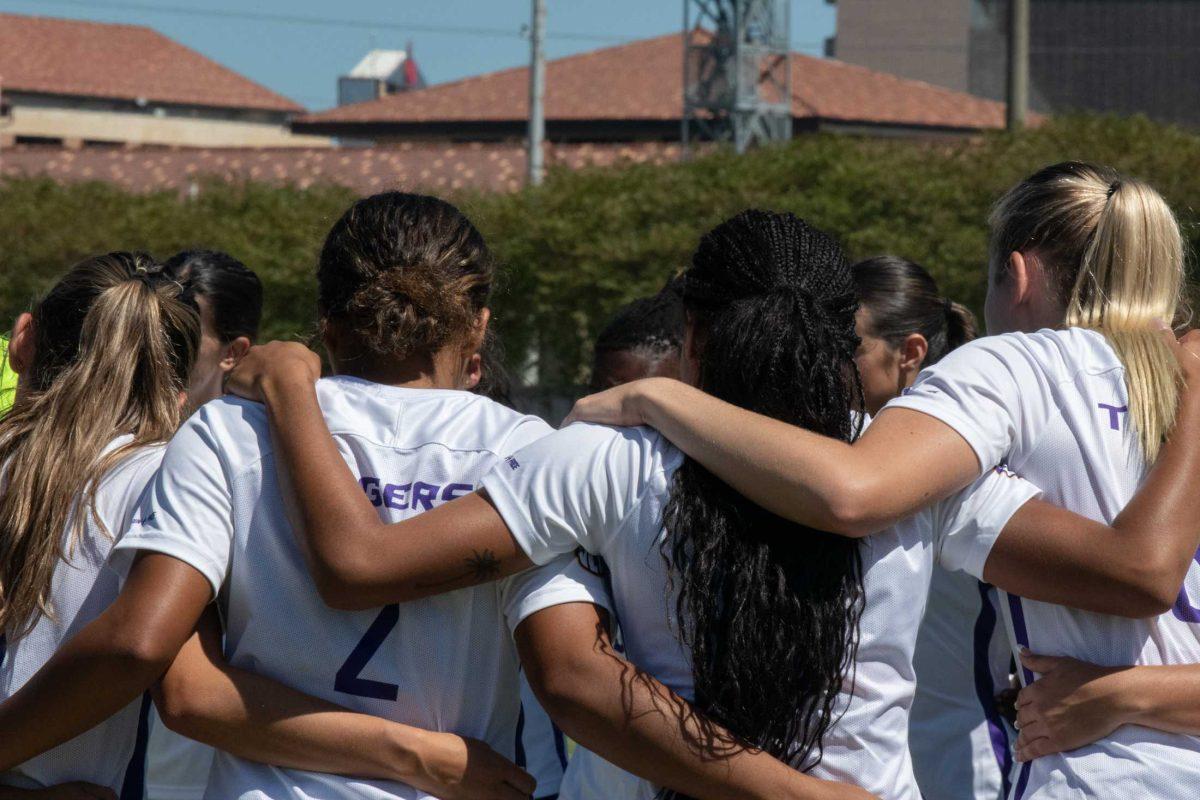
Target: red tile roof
pixel 643 80
pixel 431 166
pixel 125 62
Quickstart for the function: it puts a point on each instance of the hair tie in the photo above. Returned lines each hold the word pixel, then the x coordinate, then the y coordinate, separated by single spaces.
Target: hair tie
pixel 1113 187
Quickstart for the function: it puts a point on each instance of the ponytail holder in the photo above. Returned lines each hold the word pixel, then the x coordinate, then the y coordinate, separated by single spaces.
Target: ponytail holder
pixel 1113 187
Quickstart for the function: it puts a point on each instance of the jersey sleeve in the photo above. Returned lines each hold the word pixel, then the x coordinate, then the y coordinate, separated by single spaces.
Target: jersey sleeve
pixel 524 433
pixel 186 510
pixel 966 525
pixel 574 488
pixel 562 580
pixel 989 391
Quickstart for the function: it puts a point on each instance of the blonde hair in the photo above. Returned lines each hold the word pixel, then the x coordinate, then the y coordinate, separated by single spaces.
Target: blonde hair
pixel 113 343
pixel 1115 251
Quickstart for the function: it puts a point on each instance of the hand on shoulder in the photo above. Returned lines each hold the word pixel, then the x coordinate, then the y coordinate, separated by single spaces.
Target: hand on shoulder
pixel 273 363
pixel 622 406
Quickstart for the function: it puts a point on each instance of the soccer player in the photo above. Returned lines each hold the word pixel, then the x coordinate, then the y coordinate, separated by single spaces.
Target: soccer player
pixel 108 350
pixel 230 299
pixel 642 340
pixel 103 359
pixel 1078 395
pixel 960 744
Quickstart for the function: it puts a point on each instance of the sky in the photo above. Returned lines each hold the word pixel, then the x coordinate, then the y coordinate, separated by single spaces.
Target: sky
pixel 300 47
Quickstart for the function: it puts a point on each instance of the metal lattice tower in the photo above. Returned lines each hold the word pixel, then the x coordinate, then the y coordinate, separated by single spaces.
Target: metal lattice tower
pixel 737 75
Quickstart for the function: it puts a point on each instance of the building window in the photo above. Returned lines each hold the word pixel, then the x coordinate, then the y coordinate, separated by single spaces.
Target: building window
pixel 40 141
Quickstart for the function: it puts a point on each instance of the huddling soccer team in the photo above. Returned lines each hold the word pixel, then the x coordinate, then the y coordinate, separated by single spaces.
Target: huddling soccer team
pixel 808 539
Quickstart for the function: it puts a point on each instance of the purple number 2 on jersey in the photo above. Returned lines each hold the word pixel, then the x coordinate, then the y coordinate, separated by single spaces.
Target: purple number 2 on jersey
pixel 348 678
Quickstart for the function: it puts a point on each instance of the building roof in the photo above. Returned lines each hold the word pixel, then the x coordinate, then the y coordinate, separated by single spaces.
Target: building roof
pixel 431 166
pixel 643 80
pixel 77 58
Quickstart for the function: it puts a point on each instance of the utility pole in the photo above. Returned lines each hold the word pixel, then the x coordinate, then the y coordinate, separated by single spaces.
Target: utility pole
pixel 1018 63
pixel 537 90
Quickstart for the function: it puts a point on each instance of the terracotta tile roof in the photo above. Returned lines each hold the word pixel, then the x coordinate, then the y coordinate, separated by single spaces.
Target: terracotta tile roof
pixel 643 80
pixel 431 166
pixel 126 62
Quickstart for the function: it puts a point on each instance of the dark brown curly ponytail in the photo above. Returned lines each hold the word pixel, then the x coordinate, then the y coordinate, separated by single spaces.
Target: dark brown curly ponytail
pixel 406 273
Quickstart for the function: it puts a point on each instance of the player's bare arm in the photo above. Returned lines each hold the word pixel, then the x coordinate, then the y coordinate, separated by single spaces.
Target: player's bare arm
pixel 356 559
pixel 628 718
pixel 254 717
pixel 853 489
pixel 108 664
pixel 1074 703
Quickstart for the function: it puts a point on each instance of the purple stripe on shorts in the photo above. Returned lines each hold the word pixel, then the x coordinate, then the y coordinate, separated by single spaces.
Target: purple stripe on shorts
pixel 1021 634
pixel 985 689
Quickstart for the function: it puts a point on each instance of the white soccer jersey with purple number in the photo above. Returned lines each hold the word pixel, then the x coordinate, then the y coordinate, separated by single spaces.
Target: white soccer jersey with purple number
pixel 1053 406
pixel 110 754
pixel 603 489
pixel 446 663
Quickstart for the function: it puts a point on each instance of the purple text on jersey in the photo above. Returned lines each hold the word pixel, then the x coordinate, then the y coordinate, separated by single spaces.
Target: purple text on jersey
pixel 417 494
pixel 1114 414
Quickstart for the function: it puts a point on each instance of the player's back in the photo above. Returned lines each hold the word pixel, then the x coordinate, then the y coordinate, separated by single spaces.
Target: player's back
pixel 446 663
pixel 82 588
pixel 1063 422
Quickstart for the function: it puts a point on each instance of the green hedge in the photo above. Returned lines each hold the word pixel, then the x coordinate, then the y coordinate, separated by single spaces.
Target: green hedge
pixel 586 242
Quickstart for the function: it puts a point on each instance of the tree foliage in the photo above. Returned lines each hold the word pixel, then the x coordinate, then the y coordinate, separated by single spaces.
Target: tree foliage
pixel 585 242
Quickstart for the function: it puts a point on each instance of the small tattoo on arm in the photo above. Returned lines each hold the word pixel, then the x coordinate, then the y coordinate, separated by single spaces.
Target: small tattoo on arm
pixel 482 566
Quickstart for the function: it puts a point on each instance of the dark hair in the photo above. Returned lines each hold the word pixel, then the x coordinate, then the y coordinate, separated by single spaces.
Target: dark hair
pixel 902 299
pixel 234 293
pixel 653 324
pixel 651 327
pixel 406 273
pixel 769 608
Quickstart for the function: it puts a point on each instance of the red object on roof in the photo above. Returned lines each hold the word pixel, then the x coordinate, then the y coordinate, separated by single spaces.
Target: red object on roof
pixel 643 80
pixel 46 55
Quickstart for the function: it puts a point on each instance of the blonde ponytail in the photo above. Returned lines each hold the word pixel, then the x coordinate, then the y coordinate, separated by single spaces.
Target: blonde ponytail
pixel 113 345
pixel 1115 247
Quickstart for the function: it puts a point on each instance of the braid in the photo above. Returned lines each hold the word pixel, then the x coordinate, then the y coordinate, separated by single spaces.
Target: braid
pixel 768 608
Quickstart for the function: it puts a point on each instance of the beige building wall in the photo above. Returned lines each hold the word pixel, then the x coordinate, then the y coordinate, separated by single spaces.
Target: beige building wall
pixel 74 126
pixel 925 40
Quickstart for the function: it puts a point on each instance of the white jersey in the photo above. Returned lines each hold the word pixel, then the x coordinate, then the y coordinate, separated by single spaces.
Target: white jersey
pixel 961 746
pixel 83 587
pixel 604 489
pixel 446 663
pixel 176 767
pixel 1053 405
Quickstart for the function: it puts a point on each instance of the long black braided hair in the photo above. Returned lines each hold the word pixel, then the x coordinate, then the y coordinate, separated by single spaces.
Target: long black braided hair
pixel 768 608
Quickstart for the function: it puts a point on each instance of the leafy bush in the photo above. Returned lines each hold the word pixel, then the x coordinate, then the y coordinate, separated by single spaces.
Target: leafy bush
pixel 587 241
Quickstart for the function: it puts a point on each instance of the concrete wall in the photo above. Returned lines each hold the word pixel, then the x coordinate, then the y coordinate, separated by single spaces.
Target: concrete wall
pixel 921 39
pixel 81 121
